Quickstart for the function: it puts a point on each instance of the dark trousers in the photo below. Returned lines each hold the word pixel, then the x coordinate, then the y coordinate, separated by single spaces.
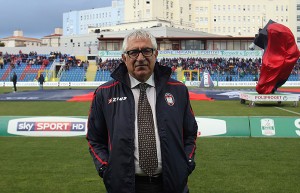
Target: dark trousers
pixel 145 184
pixel 15 86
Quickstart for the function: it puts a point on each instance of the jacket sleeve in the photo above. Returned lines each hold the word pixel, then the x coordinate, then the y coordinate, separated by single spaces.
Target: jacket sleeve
pixel 190 129
pixel 97 134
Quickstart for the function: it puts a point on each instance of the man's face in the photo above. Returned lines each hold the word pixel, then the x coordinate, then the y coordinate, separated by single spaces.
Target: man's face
pixel 140 67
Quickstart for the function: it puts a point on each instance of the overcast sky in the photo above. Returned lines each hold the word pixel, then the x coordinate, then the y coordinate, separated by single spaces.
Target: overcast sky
pixel 38 18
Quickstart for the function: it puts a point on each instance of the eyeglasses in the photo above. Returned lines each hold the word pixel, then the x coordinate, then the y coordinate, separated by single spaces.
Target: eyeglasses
pixel 146 52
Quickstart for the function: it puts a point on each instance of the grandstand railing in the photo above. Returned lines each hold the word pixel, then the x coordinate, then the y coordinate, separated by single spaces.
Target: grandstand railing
pixel 61 70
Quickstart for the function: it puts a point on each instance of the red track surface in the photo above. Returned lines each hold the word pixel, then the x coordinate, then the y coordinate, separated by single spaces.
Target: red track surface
pixel 89 97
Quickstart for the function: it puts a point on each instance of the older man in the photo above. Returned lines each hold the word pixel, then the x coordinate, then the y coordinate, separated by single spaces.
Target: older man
pixel 141 128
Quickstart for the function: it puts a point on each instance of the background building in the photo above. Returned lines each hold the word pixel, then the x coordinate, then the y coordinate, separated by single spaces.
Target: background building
pixel 78 22
pixel 18 40
pixel 178 12
pixel 53 40
pixel 298 23
pixel 235 17
pixel 232 18
pixel 242 18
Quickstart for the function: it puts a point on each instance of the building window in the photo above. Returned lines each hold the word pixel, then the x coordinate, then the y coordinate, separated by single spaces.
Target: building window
pixel 116 46
pixel 236 45
pixel 201 10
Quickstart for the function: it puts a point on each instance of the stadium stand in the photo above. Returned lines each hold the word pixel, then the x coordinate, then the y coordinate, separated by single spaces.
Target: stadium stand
pixel 28 67
pixel 74 74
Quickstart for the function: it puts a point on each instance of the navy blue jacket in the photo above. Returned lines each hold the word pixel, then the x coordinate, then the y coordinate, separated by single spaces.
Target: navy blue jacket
pixel 111 131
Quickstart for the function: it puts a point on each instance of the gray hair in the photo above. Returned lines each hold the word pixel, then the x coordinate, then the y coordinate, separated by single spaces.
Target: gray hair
pixel 139 34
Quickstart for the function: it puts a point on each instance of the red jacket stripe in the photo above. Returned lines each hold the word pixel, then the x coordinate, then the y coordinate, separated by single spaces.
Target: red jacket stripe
pixel 97 157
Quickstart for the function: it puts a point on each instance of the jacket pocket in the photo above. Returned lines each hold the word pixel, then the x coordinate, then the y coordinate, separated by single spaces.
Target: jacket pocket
pixel 107 178
pixel 191 165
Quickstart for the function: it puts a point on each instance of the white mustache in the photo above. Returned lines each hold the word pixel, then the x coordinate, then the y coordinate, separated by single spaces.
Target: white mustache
pixel 141 63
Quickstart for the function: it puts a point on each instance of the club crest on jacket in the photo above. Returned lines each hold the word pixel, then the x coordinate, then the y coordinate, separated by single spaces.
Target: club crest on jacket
pixel 169 99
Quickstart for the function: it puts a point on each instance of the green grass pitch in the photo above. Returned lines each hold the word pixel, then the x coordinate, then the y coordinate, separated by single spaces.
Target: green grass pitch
pixel 224 165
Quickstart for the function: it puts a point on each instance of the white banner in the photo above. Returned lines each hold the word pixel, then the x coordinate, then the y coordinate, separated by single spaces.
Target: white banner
pixel 187 83
pixel 48 126
pixel 193 53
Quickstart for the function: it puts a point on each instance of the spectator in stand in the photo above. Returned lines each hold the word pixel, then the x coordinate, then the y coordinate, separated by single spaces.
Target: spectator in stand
pixel 1 62
pixel 45 62
pixel 14 80
pixel 86 65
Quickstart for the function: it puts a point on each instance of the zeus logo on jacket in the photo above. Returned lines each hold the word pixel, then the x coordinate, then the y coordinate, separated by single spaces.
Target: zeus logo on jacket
pixel 116 99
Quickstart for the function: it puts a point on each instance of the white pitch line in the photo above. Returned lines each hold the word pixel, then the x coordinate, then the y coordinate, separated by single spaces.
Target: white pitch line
pixel 288 110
